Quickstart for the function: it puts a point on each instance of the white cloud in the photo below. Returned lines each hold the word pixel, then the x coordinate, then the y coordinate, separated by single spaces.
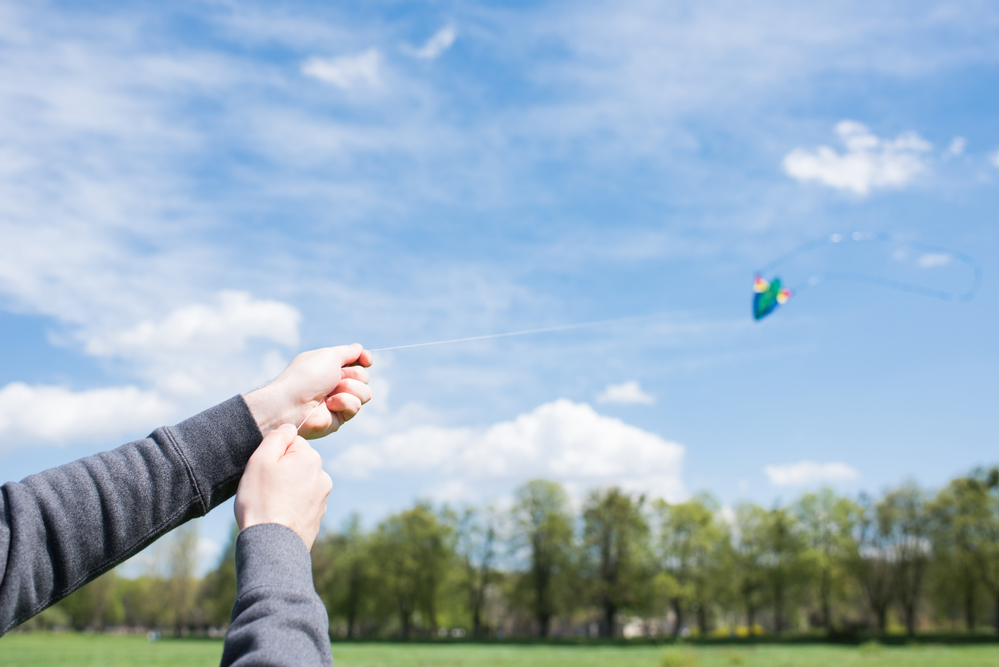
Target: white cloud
pixel 440 42
pixel 934 259
pixel 346 72
pixel 957 145
pixel 204 352
pixel 804 473
pixel 237 318
pixel 994 158
pixel 627 392
pixel 565 441
pixel 56 415
pixel 869 162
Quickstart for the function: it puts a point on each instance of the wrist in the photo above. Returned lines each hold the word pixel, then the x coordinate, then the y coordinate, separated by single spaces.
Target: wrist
pixel 267 409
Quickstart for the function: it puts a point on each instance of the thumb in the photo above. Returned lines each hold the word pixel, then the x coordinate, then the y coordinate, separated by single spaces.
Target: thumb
pixel 277 442
pixel 345 355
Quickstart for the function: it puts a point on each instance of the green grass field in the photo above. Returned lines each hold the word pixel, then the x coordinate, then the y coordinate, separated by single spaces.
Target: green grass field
pixel 104 651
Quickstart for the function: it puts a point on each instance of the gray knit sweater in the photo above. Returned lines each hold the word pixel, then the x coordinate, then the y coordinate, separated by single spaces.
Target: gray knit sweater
pixel 64 527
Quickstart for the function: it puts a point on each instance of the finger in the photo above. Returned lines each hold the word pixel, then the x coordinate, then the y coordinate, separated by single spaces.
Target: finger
pixel 359 389
pixel 356 373
pixel 346 404
pixel 276 443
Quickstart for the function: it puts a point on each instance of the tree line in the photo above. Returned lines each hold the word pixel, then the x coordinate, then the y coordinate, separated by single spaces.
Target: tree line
pixel 618 564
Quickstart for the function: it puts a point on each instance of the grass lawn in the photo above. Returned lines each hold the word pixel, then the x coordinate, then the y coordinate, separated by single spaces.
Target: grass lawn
pixel 102 651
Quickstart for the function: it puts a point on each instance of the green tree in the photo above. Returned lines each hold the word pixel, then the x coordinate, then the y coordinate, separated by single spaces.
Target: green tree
pixel 690 547
pixel 954 568
pixel 975 517
pixel 217 592
pixel 343 574
pixel 477 540
pixel 413 551
pixel 904 520
pixel 615 539
pixel 783 565
pixel 143 601
pixel 182 587
pixel 543 527
pixel 95 605
pixel 871 561
pixel 749 547
pixel 827 522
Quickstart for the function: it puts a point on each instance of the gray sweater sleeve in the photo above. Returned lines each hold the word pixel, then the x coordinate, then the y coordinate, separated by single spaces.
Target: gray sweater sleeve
pixel 278 618
pixel 63 527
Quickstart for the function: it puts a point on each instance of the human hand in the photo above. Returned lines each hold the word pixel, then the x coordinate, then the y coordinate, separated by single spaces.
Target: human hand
pixel 284 482
pixel 336 374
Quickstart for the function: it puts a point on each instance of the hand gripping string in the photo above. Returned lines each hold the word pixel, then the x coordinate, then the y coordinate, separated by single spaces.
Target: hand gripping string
pixel 311 413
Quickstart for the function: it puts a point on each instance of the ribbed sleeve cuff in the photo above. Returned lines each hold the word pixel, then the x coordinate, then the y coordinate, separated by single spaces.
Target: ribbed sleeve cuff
pixel 270 554
pixel 216 444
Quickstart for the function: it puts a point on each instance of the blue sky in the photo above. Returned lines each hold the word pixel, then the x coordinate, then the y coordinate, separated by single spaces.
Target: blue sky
pixel 191 194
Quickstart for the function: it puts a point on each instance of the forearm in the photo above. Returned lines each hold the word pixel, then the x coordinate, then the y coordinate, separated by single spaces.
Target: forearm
pixel 278 618
pixel 63 527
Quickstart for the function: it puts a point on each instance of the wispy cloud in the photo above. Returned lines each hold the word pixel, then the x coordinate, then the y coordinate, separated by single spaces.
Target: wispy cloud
pixel 869 161
pixel 957 146
pixel 626 393
pixel 804 473
pixel 440 42
pixel 346 72
pixel 932 260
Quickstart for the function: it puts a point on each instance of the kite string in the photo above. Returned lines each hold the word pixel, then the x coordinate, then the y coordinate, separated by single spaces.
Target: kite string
pixel 524 332
pixel 561 327
pixel 875 280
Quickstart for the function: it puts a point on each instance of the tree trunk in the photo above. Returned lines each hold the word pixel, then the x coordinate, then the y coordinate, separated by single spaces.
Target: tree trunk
pixel 353 597
pixel 702 619
pixel 910 619
pixel 969 605
pixel 678 612
pixel 750 617
pixel 882 613
pixel 610 613
pixel 406 618
pixel 779 606
pixel 544 620
pixel 479 601
pixel 824 593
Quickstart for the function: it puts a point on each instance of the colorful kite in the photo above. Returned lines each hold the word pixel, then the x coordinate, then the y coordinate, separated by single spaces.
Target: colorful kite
pixel 768 296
